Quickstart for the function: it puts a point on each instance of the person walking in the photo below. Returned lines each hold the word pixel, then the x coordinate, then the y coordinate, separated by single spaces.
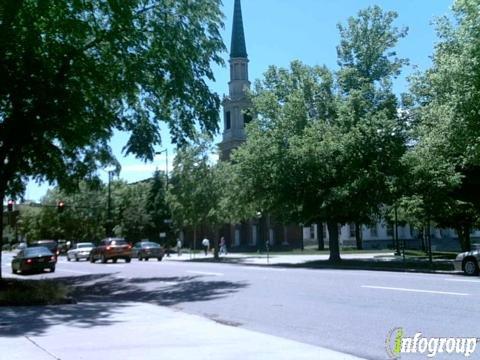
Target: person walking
pixel 206 245
pixel 179 247
pixel 223 246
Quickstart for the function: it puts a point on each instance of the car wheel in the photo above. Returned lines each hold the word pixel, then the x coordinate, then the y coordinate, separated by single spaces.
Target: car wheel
pixel 68 258
pixel 76 258
pixel 470 267
pixel 52 269
pixel 92 259
pixel 159 259
pixel 103 259
pixel 114 260
pixel 146 259
pixel 127 259
pixel 13 271
pixel 139 258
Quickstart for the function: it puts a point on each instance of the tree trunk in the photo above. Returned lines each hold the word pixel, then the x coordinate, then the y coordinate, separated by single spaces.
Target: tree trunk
pixel 194 238
pixel 302 245
pixel 358 236
pixel 333 241
pixel 429 242
pixel 468 245
pixel 321 240
pixel 216 244
pixel 463 232
pixel 2 197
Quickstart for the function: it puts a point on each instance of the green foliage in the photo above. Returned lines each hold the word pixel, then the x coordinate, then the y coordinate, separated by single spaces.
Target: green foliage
pixel 28 293
pixel 157 208
pixel 327 147
pixel 74 71
pixel 445 160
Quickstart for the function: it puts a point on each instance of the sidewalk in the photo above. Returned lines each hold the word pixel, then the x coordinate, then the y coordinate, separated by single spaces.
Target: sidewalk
pixel 140 331
pixel 261 259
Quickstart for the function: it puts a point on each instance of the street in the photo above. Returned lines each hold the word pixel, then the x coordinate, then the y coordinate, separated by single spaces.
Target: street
pixel 343 310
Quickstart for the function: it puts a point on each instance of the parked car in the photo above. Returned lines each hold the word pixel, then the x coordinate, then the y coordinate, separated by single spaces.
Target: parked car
pixel 80 251
pixel 145 250
pixel 32 259
pixel 111 248
pixel 468 262
pixel 51 245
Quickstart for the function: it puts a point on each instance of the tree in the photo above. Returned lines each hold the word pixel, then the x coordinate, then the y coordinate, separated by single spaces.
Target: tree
pixel 82 220
pixel 74 71
pixel 157 207
pixel 445 161
pixel 317 154
pixel 132 218
pixel 188 195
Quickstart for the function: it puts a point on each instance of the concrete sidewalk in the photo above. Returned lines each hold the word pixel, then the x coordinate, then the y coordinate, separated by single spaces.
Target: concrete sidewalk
pixel 139 331
pixel 261 259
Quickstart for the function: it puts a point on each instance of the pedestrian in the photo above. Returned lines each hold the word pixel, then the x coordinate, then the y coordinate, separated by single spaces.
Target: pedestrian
pixel 206 245
pixel 179 247
pixel 223 246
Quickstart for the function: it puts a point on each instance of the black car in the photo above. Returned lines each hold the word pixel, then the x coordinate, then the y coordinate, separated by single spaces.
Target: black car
pixel 146 250
pixel 34 259
pixel 51 245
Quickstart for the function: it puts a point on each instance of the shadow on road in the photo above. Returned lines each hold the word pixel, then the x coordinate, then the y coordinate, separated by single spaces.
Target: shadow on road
pixel 101 296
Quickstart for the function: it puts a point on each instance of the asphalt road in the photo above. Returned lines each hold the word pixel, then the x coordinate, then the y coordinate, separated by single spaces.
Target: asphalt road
pixel 344 310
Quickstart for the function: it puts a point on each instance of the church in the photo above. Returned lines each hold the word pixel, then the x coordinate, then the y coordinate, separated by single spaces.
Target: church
pixel 253 234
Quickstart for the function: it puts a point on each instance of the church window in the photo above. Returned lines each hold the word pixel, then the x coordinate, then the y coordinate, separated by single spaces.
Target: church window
pixel 247 118
pixel 228 121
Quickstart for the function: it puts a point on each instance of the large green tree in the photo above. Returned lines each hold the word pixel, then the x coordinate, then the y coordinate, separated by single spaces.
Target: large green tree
pixel 322 149
pixel 74 71
pixel 445 161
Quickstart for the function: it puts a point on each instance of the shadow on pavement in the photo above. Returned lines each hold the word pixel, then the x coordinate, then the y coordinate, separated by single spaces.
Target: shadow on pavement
pixel 374 264
pixel 100 296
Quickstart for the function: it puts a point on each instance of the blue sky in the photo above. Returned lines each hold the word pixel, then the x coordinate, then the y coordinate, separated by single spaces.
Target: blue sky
pixel 279 31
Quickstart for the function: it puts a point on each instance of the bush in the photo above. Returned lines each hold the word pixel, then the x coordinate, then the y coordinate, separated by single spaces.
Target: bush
pixel 41 292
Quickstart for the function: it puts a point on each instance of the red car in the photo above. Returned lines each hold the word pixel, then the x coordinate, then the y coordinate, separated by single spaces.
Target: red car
pixel 111 248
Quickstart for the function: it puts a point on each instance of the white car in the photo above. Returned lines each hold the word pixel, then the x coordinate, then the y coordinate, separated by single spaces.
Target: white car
pixel 468 262
pixel 80 251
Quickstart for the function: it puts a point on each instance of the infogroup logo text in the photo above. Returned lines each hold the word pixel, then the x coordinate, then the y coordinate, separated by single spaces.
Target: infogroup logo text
pixel 397 344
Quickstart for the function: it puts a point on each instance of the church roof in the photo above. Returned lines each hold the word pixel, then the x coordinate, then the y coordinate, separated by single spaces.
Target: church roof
pixel 238 47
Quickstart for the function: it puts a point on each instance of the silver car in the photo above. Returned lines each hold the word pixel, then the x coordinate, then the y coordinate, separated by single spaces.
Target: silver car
pixel 80 251
pixel 468 262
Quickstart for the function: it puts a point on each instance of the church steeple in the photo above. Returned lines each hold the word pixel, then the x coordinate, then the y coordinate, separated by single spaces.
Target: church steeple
pixel 234 106
pixel 237 47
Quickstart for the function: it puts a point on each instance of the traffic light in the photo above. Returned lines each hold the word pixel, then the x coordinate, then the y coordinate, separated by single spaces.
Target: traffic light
pixel 10 205
pixel 60 206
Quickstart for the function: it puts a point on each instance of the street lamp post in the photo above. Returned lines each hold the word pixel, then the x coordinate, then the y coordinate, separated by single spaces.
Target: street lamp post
pixel 166 161
pixel 267 242
pixel 109 204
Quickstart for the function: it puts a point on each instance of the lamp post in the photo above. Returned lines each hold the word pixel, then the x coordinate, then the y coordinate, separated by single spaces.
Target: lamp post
pixel 166 161
pixel 267 243
pixel 109 204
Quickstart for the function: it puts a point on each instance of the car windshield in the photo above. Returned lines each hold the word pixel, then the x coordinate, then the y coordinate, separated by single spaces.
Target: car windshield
pixel 118 242
pixel 150 245
pixel 37 251
pixel 84 245
pixel 49 245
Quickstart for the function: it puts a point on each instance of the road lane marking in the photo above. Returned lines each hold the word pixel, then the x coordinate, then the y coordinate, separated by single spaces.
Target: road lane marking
pixel 264 268
pixel 463 280
pixel 204 273
pixel 74 271
pixel 414 290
